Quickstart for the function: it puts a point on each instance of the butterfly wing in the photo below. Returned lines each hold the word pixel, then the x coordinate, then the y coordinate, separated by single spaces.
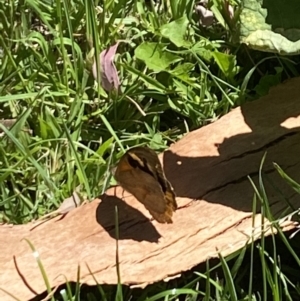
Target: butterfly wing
pixel 140 173
pixel 169 198
pixel 153 166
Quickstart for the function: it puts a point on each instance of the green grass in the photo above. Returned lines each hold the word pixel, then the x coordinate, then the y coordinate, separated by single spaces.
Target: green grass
pixel 68 127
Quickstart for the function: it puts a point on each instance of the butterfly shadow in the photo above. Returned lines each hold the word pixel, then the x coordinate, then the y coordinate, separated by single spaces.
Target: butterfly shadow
pixel 132 223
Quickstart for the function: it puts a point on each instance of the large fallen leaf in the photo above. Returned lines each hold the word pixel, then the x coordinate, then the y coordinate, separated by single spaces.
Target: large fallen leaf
pixel 208 169
pixel 271 26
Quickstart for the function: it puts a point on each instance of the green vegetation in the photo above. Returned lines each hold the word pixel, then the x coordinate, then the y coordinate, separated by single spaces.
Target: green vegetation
pixel 176 75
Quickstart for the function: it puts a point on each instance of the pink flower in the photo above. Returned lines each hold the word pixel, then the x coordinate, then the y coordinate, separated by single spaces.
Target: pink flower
pixel 108 71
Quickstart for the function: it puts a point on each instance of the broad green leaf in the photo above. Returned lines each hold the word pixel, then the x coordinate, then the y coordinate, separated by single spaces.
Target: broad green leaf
pixel 175 31
pixel 155 56
pixel 182 69
pixel 226 62
pixel 204 50
pixel 275 27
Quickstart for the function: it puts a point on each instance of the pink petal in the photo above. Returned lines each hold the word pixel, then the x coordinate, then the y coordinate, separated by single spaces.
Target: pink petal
pixel 108 71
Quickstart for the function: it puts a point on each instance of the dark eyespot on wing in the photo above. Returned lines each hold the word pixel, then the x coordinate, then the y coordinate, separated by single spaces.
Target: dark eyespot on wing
pixel 134 161
pixel 147 160
pixel 150 164
pixel 141 163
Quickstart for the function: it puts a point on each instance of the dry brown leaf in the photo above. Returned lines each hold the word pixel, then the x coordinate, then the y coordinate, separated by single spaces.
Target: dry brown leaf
pixel 208 169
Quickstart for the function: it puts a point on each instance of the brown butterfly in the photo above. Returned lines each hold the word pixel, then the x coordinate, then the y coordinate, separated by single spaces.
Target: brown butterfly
pixel 140 173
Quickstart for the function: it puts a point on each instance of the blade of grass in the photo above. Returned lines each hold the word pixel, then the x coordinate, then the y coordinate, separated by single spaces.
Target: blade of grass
pixel 27 153
pixel 41 267
pixel 119 293
pixel 229 279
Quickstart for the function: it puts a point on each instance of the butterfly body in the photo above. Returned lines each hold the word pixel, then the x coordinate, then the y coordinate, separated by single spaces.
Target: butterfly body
pixel 140 173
